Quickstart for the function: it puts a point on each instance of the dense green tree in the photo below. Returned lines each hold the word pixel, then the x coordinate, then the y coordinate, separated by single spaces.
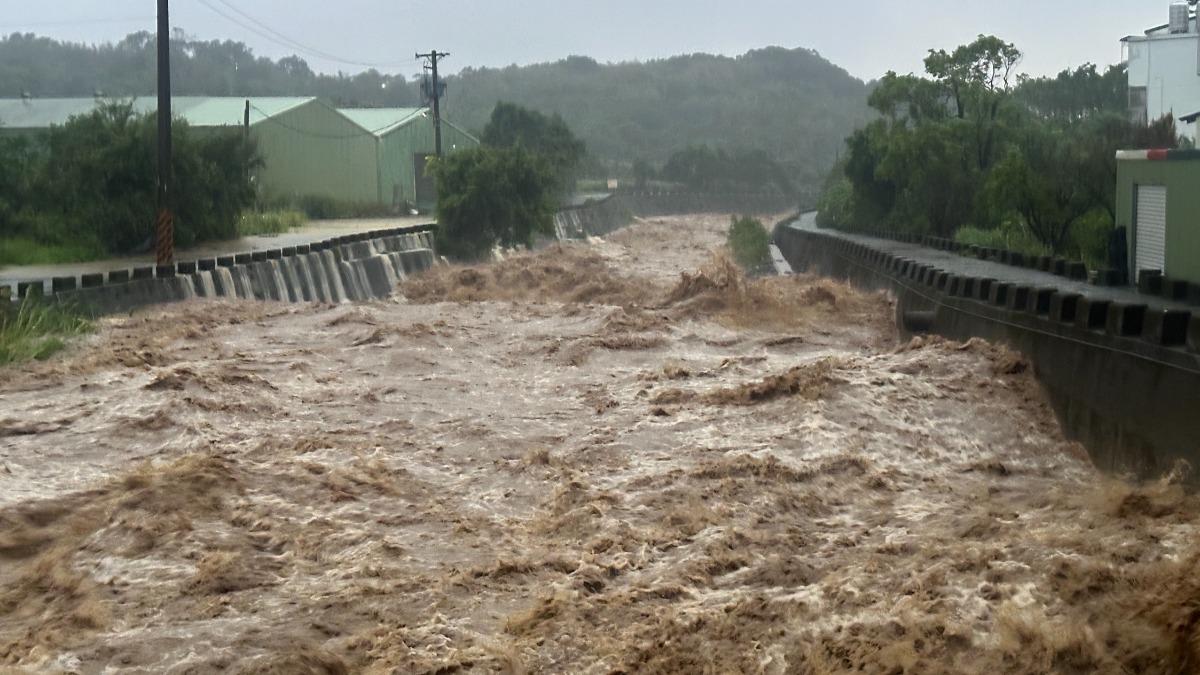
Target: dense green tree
pixel 93 180
pixel 972 146
pixel 489 196
pixel 1076 94
pixel 643 173
pixel 546 136
pixel 750 243
pixel 1039 179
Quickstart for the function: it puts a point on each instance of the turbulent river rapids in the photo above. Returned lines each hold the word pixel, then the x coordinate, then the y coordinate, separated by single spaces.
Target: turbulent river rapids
pixel 610 456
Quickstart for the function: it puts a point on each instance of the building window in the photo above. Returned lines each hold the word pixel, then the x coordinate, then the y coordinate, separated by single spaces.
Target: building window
pixel 1138 113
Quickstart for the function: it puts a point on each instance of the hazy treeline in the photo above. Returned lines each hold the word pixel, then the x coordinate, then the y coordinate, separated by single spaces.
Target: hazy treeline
pixel 971 150
pixel 791 105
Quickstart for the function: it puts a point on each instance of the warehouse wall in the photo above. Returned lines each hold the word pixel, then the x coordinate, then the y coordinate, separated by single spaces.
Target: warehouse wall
pixel 397 176
pixel 314 150
pixel 1182 178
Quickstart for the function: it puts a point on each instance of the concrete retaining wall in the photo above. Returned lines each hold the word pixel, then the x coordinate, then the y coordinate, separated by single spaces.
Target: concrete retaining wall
pixel 1123 380
pixel 348 268
pixel 594 218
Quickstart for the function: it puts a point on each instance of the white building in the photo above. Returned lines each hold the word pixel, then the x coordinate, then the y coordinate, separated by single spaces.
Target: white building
pixel 1164 70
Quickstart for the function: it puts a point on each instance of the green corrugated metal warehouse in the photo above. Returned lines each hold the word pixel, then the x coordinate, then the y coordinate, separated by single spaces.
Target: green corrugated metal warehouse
pixel 1158 204
pixel 308 147
pixel 404 140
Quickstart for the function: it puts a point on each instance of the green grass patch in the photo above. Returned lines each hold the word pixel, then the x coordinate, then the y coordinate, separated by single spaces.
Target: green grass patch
pixel 37 329
pixel 1010 235
pixel 25 251
pixel 1088 241
pixel 750 244
pixel 270 222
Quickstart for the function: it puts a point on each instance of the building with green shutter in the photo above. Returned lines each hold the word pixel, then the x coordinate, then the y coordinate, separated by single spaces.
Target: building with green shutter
pixel 1158 204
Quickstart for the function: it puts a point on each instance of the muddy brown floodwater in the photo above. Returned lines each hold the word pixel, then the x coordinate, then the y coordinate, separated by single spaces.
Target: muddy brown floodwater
pixel 608 457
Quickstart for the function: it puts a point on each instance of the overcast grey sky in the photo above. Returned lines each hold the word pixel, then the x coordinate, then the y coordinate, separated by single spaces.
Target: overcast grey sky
pixel 867 37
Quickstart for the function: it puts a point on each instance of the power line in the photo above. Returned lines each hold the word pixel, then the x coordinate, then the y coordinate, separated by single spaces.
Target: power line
pixel 270 34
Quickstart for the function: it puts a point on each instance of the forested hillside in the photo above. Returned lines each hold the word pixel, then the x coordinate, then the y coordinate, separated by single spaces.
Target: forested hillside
pixel 792 104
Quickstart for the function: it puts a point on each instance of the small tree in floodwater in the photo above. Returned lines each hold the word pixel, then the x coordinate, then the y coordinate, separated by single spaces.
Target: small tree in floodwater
pixel 491 196
pixel 750 243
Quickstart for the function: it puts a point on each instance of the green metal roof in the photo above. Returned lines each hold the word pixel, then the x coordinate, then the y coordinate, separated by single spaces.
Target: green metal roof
pixel 199 111
pixel 383 121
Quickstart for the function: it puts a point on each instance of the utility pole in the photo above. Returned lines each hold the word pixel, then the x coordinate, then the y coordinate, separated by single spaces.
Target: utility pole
pixel 164 224
pixel 433 58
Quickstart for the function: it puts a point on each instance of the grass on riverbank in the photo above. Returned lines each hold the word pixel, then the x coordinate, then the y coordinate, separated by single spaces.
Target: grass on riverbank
pixel 24 251
pixel 36 330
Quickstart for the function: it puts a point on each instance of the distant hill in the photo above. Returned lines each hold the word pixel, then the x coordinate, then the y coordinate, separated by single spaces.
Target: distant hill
pixel 791 103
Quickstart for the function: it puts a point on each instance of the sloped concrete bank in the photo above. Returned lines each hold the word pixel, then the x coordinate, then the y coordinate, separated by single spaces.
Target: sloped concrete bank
pixel 1124 378
pixel 348 268
pixel 594 217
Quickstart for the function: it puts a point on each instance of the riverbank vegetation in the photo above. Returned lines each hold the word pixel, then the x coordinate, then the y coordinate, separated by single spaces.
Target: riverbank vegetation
pixel 506 192
pixel 36 329
pixel 87 189
pixel 750 243
pixel 974 151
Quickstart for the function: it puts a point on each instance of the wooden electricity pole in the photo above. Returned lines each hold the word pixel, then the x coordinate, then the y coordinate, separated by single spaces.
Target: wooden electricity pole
pixel 436 91
pixel 164 224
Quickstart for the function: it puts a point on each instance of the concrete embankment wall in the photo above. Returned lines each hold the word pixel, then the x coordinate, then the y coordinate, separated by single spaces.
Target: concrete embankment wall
pixel 594 218
pixel 349 268
pixel 1123 381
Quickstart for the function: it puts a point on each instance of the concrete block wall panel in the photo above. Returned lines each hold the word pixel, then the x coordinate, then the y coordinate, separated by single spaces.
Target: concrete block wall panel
pixel 1167 327
pixel 1039 301
pixel 999 294
pixel 1092 314
pixel 1125 319
pixel 1063 307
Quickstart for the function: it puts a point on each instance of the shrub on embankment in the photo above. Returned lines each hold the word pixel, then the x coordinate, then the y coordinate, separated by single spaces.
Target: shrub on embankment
pixel 492 196
pixel 88 188
pixel 750 243
pixel 36 329
pixel 505 192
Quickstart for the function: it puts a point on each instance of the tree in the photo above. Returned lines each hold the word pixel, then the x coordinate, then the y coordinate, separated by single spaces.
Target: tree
pixel 642 173
pixel 749 242
pixel 489 196
pixel 908 97
pixel 1039 178
pixel 548 137
pixel 1076 94
pixel 93 180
